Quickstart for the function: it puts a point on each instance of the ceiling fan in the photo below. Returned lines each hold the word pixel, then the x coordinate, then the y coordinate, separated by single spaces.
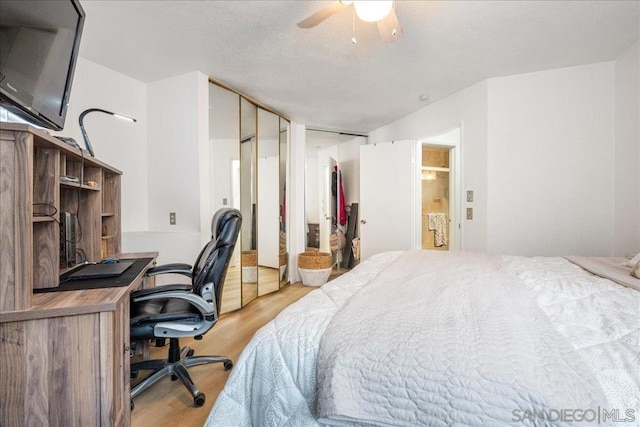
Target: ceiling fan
pixel 381 12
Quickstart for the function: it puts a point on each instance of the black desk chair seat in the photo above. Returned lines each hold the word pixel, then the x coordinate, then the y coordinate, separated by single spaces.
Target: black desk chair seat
pixel 176 311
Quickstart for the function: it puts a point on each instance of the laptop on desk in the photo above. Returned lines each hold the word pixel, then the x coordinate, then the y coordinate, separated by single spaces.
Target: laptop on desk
pixel 100 271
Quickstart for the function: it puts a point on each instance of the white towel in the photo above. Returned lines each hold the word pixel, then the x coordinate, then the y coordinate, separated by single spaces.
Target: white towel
pixel 438 223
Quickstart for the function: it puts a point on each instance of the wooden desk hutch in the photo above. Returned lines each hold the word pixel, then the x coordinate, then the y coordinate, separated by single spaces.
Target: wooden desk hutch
pixel 64 358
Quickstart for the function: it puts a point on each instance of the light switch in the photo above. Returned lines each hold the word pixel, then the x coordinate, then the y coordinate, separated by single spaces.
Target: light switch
pixel 224 201
pixel 172 218
pixel 469 213
pixel 469 196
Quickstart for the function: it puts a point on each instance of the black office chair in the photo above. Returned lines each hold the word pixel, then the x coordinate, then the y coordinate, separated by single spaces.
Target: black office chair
pixel 176 311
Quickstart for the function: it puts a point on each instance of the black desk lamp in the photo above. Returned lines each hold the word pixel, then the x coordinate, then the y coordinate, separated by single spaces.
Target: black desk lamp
pixel 84 132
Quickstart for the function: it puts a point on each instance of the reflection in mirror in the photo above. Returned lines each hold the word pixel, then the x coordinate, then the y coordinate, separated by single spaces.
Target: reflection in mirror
pixel 284 138
pixel 332 193
pixel 268 202
pixel 328 202
pixel 248 199
pixel 224 140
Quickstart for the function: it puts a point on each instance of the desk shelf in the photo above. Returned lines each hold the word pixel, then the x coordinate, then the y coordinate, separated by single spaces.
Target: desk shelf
pixel 77 185
pixel 35 161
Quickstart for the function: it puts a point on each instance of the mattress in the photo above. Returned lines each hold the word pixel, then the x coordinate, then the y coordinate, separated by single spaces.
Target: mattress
pixel 275 380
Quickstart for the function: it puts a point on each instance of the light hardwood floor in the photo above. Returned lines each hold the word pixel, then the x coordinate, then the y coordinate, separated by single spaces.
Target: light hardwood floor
pixel 168 403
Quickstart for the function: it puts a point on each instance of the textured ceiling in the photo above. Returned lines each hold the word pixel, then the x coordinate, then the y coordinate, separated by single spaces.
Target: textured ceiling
pixel 319 78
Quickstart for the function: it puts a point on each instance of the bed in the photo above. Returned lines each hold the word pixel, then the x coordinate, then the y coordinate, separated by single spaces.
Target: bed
pixel 443 338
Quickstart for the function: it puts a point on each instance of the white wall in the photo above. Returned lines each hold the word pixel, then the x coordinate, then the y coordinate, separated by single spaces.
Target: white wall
pixel 117 142
pixel 174 152
pixel 178 164
pixel 538 151
pixel 627 153
pixel 550 162
pixel 466 109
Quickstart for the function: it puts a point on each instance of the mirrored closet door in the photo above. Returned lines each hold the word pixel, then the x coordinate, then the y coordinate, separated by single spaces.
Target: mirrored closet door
pixel 282 197
pixel 248 170
pixel 248 200
pixel 268 202
pixel 224 150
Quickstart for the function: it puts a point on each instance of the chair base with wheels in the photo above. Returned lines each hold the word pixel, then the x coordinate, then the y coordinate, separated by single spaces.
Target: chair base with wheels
pixel 175 365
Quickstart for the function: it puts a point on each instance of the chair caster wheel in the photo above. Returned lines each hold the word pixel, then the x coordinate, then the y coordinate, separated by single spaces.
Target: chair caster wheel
pixel 228 365
pixel 190 353
pixel 198 400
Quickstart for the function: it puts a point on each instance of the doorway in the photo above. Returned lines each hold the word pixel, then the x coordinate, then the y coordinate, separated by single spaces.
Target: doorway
pixel 435 198
pixel 438 192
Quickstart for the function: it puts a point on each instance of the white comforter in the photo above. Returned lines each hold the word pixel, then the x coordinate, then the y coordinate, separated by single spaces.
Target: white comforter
pixel 274 380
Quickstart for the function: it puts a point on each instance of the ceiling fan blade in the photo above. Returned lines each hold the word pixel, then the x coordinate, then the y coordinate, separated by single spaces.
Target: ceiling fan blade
pixel 321 15
pixel 389 27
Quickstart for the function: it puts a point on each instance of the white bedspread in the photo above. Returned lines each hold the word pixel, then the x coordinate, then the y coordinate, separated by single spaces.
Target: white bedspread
pixel 443 338
pixel 274 381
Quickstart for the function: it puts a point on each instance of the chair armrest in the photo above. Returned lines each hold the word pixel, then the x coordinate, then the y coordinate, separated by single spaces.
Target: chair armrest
pixel 160 289
pixel 176 268
pixel 177 329
pixel 205 308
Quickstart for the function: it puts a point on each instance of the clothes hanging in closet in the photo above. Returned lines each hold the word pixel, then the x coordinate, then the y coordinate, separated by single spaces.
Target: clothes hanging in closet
pixel 340 205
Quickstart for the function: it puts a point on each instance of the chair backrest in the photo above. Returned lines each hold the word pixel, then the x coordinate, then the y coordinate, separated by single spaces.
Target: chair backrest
pixel 213 261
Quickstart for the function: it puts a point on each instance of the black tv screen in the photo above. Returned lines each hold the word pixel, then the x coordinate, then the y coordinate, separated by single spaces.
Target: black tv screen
pixel 39 43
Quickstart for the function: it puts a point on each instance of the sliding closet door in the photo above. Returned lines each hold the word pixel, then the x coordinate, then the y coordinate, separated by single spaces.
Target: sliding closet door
pixel 387 202
pixel 224 144
pixel 283 256
pixel 268 202
pixel 248 200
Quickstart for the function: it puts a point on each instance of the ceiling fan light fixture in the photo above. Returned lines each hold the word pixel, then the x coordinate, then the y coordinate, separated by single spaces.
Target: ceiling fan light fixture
pixel 372 11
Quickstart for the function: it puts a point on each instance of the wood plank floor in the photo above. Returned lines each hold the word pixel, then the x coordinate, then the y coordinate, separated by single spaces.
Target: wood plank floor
pixel 169 403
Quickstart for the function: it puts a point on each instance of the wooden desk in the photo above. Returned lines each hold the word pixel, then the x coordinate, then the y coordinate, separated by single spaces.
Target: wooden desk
pixel 65 360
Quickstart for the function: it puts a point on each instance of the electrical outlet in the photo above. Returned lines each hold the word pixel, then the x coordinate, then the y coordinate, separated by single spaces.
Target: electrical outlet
pixel 172 218
pixel 469 213
pixel 224 201
pixel 469 196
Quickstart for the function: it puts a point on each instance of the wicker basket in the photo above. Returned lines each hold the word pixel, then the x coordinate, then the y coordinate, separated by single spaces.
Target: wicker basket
pixel 314 260
pixel 250 266
pixel 314 277
pixel 249 258
pixel 314 267
pixel 283 258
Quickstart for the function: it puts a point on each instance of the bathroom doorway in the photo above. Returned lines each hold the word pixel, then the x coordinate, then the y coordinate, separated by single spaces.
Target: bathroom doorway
pixel 435 198
pixel 439 192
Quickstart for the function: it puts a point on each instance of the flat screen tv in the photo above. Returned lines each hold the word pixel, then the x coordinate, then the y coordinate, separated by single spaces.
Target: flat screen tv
pixel 39 43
